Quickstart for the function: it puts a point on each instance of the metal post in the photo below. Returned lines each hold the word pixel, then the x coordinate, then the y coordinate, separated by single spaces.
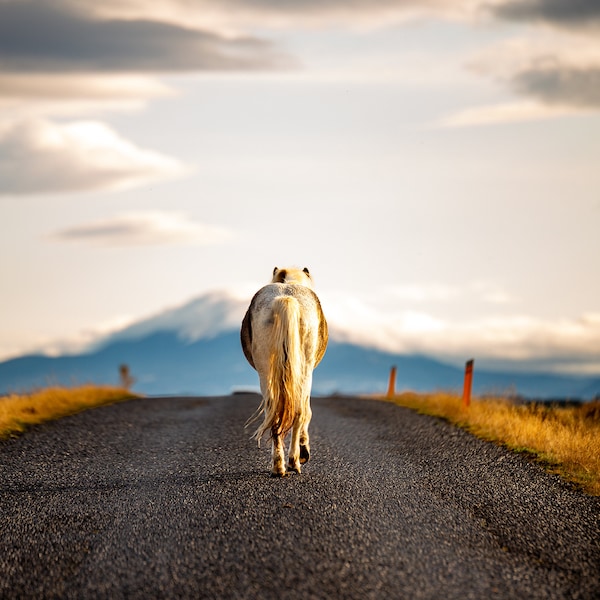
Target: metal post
pixel 468 383
pixel 392 384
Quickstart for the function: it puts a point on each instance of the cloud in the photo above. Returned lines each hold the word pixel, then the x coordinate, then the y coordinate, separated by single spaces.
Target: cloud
pixel 497 114
pixel 562 344
pixel 566 13
pixel 233 15
pixel 552 75
pixel 60 60
pixel 559 84
pixel 203 317
pixel 41 157
pixel 53 38
pixel 145 228
pixel 25 95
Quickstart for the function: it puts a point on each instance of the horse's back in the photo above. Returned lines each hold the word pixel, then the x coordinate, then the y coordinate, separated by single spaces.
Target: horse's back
pixel 267 294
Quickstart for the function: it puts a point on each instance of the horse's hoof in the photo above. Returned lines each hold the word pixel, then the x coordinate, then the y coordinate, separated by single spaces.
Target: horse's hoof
pixel 304 454
pixel 277 475
pixel 294 469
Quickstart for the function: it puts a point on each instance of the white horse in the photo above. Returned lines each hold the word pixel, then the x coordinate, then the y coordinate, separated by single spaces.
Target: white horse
pixel 284 337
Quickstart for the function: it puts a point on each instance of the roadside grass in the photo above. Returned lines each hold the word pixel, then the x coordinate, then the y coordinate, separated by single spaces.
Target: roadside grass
pixel 564 439
pixel 20 411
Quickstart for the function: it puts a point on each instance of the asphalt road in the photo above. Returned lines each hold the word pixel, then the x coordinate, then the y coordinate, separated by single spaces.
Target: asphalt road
pixel 168 498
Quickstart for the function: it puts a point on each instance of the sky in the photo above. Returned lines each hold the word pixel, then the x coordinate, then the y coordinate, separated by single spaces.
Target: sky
pixel 435 164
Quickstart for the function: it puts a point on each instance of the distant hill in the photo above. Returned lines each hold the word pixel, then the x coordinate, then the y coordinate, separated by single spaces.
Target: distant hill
pixel 164 363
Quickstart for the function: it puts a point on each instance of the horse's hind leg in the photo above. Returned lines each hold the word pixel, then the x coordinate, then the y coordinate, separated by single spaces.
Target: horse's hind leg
pixel 294 452
pixel 278 457
pixel 299 444
pixel 304 440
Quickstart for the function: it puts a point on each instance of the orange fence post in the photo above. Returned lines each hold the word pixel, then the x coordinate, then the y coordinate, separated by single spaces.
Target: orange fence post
pixel 392 384
pixel 468 383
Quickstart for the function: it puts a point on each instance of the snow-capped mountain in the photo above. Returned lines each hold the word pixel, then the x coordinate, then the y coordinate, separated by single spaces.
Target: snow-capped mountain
pixel 204 317
pixel 195 349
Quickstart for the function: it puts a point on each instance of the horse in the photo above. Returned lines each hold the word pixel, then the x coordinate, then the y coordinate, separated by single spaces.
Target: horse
pixel 284 337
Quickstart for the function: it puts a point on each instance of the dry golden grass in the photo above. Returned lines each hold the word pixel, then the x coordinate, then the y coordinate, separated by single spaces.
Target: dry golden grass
pixel 18 412
pixel 565 439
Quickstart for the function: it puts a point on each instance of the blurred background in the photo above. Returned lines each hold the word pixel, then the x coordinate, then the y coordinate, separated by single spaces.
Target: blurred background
pixel 433 163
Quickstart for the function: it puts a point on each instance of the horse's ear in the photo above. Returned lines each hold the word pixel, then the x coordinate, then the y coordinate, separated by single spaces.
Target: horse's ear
pixel 306 271
pixel 275 270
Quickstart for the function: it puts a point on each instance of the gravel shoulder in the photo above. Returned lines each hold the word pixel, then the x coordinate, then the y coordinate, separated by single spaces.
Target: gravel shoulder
pixel 169 498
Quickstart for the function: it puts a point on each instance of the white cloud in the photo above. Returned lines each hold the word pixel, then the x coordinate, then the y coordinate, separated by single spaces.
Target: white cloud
pixel 145 228
pixel 203 317
pixel 48 345
pixel 41 95
pixel 509 112
pixel 38 156
pixel 563 344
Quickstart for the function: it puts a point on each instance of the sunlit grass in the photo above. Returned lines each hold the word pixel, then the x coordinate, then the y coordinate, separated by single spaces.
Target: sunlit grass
pixel 566 440
pixel 20 411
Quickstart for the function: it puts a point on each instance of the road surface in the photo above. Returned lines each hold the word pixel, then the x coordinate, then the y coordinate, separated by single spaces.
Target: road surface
pixel 169 498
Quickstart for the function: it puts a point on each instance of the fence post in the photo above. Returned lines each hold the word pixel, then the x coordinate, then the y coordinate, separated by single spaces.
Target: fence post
pixel 125 377
pixel 392 384
pixel 468 383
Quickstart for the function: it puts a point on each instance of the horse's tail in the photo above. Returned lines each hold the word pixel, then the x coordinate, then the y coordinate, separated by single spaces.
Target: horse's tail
pixel 284 387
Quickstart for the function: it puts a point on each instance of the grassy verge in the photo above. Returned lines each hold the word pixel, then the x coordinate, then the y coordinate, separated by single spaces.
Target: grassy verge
pixel 18 412
pixel 566 440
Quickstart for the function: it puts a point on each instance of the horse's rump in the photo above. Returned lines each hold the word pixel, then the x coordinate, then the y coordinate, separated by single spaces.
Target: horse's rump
pixel 258 317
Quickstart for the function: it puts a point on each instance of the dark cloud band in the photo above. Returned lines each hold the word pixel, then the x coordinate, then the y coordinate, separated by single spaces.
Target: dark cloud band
pixel 560 85
pixel 43 38
pixel 152 227
pixel 559 12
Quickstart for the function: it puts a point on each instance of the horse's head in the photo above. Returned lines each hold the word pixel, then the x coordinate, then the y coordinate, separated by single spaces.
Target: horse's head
pixel 292 275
